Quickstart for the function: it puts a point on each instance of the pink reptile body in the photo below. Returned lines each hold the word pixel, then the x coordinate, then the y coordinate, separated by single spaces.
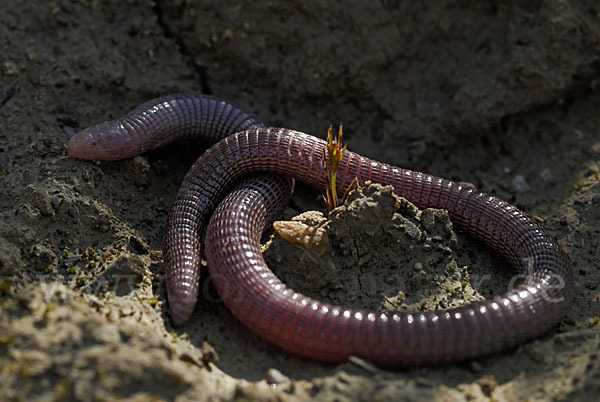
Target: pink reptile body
pixel 291 320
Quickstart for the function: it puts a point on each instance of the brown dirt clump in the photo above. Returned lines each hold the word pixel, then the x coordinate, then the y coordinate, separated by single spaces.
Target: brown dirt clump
pixel 382 254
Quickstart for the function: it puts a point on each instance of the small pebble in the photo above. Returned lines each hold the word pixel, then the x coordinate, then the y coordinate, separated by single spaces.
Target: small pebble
pixel 9 68
pixel 41 200
pixel 209 354
pixel 475 366
pixel 57 202
pixel 467 185
pixel 488 384
pixel 535 353
pixel 363 364
pixel 43 256
pixel 520 184
pixel 275 376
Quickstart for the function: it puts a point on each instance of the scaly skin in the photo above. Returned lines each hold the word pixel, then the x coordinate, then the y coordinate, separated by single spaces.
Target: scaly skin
pixel 295 322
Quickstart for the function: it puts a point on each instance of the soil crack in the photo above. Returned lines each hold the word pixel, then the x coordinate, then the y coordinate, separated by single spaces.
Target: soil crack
pixel 169 33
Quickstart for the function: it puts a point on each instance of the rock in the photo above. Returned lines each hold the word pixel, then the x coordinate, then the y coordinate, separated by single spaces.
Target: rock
pixel 43 257
pixel 314 239
pixel 275 376
pixel 43 202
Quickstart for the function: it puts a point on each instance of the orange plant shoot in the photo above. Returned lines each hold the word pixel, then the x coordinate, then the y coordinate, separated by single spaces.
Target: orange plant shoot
pixel 331 161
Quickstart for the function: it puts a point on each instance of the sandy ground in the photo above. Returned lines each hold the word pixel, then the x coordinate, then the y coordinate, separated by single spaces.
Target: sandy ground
pixel 502 96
